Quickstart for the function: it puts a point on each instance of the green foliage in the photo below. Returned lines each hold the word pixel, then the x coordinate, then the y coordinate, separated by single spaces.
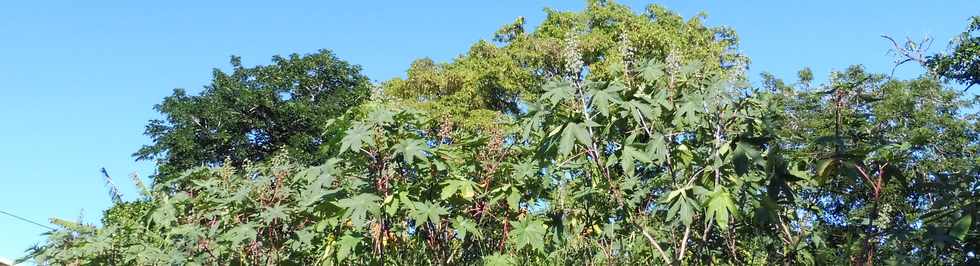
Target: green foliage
pixel 528 232
pixel 885 173
pixel 960 64
pixel 600 137
pixel 492 80
pixel 252 112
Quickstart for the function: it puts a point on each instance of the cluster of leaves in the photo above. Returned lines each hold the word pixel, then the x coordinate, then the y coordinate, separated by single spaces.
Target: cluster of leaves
pixel 601 137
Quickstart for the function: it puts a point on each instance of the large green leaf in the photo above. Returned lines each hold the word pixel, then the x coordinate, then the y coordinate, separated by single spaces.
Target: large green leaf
pixel 652 70
pixel 687 114
pixel 345 245
pixel 513 198
pixel 557 91
pixel 683 209
pixel 602 98
pixel 581 133
pixel 825 166
pixel 239 234
pixel 164 214
pixel 410 149
pixel 356 137
pixel 498 260
pixel 381 116
pixel 657 148
pixel 274 213
pixel 961 227
pixel 464 226
pixel 423 212
pixel 629 158
pixel 359 206
pixel 720 206
pixel 319 177
pixel 528 231
pixel 567 141
pixel 744 157
pixel 641 111
pixel 465 187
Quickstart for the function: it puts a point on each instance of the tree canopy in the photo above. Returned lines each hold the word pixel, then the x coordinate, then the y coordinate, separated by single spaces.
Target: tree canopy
pixel 603 136
pixel 252 112
pixel 960 64
pixel 494 78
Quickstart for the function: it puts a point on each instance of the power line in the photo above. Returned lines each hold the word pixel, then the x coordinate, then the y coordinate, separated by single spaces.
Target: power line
pixel 27 220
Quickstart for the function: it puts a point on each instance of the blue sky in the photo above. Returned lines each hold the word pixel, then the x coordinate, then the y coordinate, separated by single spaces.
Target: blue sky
pixel 78 80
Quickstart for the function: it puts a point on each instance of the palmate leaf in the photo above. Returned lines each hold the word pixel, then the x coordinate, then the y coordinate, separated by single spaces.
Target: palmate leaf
pixel 657 148
pixel 652 70
pixel 410 149
pixel 525 169
pixel 528 231
pixel 499 260
pixel 573 132
pixel 359 206
pixel 514 198
pixel 241 195
pixel 690 68
pixel 356 137
pixel 683 207
pixel 825 167
pixel 464 226
pixel 164 214
pixel 687 114
pixel 629 158
pixel 324 173
pixel 273 213
pixel 100 243
pixel 240 234
pixel 423 212
pixel 303 238
pixel 745 156
pixel 466 189
pixel 321 177
pixel 567 142
pixel 720 206
pixel 602 98
pixel 557 91
pixel 381 116
pixel 345 245
pixel 582 134
pixel 640 111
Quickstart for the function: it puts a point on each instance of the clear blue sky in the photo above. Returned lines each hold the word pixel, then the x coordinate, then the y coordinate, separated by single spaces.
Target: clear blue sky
pixel 78 80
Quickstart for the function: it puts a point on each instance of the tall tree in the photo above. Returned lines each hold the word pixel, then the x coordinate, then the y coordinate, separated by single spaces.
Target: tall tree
pixel 890 158
pixel 495 77
pixel 248 114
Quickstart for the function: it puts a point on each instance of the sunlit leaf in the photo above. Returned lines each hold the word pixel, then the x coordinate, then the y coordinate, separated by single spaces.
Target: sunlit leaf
pixel 356 137
pixel 359 206
pixel 720 205
pixel 961 227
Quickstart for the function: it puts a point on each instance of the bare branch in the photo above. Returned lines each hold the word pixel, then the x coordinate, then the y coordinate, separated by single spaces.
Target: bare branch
pixel 655 245
pixel 909 51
